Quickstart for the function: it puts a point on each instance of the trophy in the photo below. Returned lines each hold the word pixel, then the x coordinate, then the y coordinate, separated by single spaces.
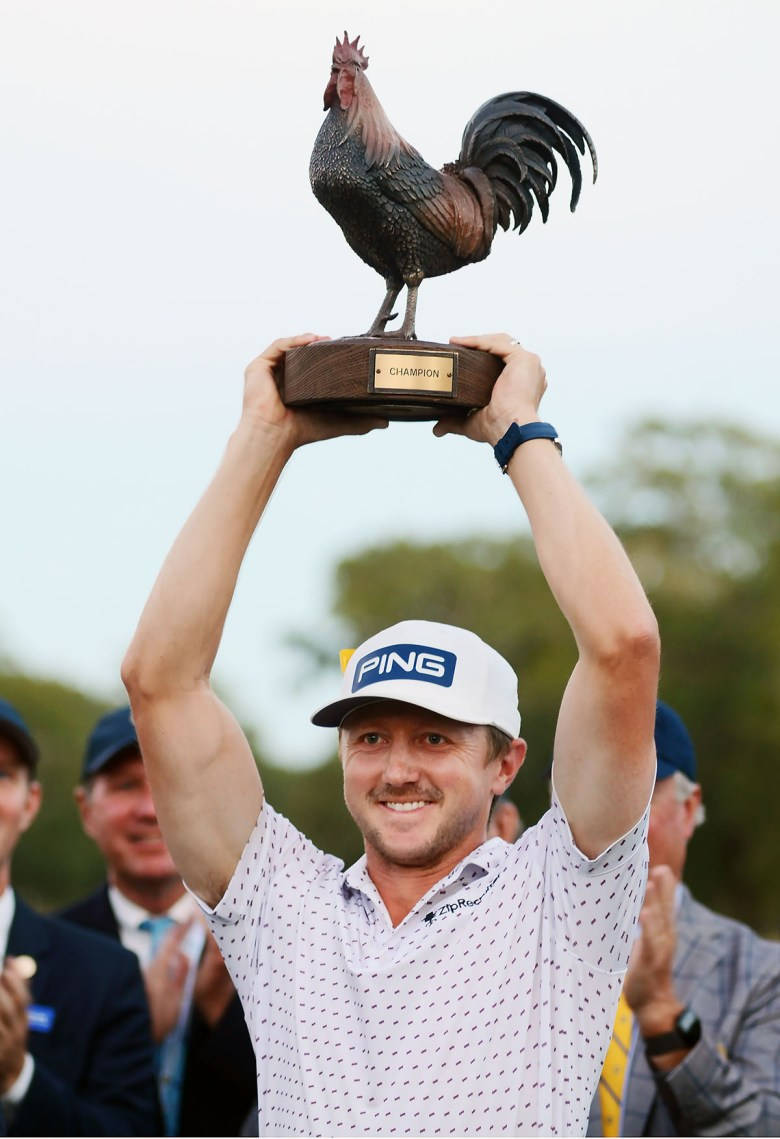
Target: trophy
pixel 409 221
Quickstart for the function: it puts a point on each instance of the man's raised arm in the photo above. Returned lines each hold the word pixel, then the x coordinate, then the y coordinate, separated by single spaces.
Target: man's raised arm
pixel 604 762
pixel 206 788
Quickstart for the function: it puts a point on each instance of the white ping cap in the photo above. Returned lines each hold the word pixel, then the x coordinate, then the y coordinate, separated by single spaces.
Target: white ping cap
pixel 439 667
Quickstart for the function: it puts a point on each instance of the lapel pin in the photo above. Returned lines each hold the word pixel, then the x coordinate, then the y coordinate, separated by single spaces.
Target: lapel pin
pixel 25 966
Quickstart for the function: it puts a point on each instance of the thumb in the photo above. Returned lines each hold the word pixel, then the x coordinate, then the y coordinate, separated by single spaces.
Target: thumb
pixel 450 425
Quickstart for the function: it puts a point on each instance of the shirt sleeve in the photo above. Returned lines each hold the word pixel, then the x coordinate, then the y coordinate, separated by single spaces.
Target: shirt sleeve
pixel 275 853
pixel 595 901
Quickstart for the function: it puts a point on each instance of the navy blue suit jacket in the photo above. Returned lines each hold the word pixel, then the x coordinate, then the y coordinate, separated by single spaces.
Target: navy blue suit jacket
pixel 94 1065
pixel 220 1080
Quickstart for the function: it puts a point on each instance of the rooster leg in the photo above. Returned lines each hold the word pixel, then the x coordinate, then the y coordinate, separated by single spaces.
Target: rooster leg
pixel 386 311
pixel 407 328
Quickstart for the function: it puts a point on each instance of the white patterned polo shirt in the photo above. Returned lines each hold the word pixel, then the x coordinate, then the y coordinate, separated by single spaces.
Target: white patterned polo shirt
pixel 487 1011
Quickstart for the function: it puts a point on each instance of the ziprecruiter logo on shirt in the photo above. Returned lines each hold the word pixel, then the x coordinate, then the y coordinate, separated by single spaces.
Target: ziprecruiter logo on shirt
pixel 457 906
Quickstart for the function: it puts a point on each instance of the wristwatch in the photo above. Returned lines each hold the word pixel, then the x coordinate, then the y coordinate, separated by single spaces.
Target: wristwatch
pixel 686 1033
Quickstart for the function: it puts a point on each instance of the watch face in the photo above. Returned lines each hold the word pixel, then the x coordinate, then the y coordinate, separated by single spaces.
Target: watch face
pixel 688 1026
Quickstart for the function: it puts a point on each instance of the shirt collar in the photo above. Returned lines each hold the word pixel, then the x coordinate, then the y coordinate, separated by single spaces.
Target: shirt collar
pixel 485 858
pixel 129 915
pixel 7 910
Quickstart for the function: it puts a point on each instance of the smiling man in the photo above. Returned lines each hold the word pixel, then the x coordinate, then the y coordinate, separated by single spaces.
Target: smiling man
pixel 75 1050
pixel 205 1067
pixel 444 984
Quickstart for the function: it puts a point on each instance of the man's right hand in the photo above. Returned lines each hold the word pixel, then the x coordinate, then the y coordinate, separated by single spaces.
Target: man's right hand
pixel 14 999
pixel 263 406
pixel 165 979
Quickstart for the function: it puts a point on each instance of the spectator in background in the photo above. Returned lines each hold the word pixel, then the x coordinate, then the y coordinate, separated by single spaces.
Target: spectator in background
pixel 697 1036
pixel 504 821
pixel 75 1052
pixel 206 1066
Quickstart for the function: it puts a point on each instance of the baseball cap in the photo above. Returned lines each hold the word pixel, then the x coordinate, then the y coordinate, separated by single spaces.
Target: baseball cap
pixel 112 734
pixel 13 727
pixel 673 745
pixel 445 669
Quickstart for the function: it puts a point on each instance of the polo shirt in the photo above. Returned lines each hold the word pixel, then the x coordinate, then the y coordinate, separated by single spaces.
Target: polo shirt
pixel 486 1011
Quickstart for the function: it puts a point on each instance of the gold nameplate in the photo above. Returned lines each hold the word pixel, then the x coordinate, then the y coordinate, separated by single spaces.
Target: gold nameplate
pixel 401 372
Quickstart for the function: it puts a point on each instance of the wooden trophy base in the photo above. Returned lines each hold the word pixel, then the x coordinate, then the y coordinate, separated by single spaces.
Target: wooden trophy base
pixel 390 377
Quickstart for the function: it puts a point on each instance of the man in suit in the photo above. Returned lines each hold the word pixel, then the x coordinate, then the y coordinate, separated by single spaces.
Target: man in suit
pixel 697 1036
pixel 75 1053
pixel 206 1066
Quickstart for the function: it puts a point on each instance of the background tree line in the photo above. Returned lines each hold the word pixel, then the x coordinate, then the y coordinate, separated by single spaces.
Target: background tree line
pixel 698 507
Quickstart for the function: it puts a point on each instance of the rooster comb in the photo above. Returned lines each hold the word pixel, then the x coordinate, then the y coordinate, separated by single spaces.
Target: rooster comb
pixel 349 52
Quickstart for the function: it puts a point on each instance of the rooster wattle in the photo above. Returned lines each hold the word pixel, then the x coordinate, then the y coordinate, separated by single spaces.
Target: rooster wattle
pixel 409 221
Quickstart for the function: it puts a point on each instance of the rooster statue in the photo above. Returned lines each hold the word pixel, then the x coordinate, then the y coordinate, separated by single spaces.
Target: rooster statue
pixel 409 221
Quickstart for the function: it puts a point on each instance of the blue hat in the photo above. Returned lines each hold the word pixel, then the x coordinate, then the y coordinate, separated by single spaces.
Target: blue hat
pixel 13 727
pixel 673 745
pixel 112 734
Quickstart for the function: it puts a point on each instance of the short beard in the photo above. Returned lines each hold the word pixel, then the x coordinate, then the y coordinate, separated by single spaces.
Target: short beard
pixel 446 838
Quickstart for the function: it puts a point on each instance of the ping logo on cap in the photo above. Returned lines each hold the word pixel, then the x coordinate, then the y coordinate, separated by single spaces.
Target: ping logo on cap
pixel 405 662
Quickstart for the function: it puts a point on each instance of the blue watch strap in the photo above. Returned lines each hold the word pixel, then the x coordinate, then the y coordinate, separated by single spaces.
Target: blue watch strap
pixel 521 433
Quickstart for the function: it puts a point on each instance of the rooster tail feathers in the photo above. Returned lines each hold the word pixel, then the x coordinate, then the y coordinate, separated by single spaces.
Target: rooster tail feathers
pixel 513 139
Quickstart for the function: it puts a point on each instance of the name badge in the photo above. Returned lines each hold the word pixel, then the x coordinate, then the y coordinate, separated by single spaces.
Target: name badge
pixel 40 1018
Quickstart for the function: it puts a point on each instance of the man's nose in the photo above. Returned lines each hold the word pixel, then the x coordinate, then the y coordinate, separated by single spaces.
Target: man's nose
pixel 401 766
pixel 145 805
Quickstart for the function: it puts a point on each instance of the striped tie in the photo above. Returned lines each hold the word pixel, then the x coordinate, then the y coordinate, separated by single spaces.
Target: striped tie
pixel 613 1075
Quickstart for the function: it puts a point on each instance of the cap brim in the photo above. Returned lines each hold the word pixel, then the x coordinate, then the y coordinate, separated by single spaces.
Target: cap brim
pixel 108 755
pixel 333 714
pixel 664 769
pixel 27 747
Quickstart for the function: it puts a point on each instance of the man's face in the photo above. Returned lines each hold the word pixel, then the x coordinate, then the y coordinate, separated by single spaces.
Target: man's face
pixel 20 798
pixel 418 785
pixel 671 825
pixel 118 813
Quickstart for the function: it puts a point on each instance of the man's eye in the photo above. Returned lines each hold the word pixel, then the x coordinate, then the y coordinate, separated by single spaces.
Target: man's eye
pixel 435 738
pixel 371 738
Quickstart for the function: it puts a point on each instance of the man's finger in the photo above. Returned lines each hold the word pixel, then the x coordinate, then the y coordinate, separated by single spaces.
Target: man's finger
pixel 664 882
pixel 450 425
pixel 15 984
pixel 275 351
pixel 499 343
pixel 332 425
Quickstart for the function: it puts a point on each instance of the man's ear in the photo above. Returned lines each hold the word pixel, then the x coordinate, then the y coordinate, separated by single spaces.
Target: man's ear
pixel 509 765
pixel 33 804
pixel 83 804
pixel 692 807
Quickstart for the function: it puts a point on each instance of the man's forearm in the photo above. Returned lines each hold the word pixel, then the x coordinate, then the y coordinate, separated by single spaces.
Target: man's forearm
pixel 584 564
pixel 181 626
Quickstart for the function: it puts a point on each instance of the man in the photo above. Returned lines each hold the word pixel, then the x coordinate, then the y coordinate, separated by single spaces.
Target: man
pixel 206 1063
pixel 442 984
pixel 703 1031
pixel 75 1051
pixel 504 820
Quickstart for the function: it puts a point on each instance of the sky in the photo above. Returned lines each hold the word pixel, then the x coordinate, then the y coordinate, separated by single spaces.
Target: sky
pixel 158 231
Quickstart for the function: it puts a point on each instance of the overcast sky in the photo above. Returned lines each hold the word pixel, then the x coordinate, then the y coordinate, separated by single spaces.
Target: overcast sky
pixel 158 230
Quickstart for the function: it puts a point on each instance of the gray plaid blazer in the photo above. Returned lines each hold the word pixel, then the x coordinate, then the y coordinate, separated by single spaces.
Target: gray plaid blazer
pixel 729 1084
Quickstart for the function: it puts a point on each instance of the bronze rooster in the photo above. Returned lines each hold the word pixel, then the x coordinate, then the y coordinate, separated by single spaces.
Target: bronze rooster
pixel 409 221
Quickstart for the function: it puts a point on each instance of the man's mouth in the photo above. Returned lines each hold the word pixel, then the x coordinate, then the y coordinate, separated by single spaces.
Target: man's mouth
pixel 406 805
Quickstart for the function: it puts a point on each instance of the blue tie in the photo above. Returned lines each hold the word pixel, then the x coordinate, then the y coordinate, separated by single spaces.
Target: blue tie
pixel 171 1051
